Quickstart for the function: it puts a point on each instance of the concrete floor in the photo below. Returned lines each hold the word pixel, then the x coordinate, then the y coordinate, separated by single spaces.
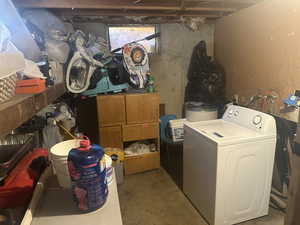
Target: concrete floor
pixel 152 198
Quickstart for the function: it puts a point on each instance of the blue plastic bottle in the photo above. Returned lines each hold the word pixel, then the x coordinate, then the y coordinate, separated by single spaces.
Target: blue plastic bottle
pixel 88 176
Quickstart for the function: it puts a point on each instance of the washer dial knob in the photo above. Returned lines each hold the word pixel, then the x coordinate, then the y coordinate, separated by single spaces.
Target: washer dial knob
pixel 257 119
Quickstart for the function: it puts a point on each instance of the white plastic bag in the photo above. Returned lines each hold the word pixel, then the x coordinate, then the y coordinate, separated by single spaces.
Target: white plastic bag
pixel 32 70
pixel 57 50
pixel 137 148
pixel 44 20
pixel 4 37
pixel 11 61
pixel 56 71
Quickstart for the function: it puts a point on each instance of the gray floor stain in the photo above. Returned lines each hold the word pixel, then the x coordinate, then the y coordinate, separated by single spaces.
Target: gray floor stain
pixel 152 198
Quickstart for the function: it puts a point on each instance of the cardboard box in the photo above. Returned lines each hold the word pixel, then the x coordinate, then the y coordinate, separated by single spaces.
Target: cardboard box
pixel 177 129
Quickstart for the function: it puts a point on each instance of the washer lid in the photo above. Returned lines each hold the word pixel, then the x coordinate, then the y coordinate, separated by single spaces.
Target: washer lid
pixel 224 133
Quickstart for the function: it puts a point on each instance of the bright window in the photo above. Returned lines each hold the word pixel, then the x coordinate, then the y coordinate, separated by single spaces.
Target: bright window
pixel 121 35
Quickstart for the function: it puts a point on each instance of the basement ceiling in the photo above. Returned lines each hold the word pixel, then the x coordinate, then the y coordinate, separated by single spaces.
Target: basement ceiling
pixel 143 11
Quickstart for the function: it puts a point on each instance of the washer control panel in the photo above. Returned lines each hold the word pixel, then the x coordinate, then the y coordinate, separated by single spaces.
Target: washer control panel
pixel 257 120
pixel 249 118
pixel 233 113
pixel 230 113
pixel 236 113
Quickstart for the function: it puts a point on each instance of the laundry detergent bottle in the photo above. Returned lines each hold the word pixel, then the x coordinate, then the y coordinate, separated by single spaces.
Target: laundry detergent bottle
pixel 88 176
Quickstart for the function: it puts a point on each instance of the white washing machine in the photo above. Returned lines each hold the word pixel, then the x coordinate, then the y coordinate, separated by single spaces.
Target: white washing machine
pixel 228 165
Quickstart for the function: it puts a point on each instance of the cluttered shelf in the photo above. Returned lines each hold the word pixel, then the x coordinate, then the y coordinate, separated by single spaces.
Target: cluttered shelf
pixel 21 108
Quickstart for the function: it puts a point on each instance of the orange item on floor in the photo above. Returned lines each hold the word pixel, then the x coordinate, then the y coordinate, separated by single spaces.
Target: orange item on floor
pixel 31 86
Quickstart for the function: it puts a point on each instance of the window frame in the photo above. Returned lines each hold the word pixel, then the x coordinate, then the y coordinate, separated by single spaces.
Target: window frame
pixel 157 29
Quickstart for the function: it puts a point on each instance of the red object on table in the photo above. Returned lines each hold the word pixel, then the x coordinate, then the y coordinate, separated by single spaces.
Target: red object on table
pixel 19 185
pixel 31 86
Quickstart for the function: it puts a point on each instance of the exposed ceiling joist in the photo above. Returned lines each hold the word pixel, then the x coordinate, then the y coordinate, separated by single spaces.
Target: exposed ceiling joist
pixel 126 21
pixel 168 9
pixel 130 20
pixel 209 9
pixel 94 4
pixel 98 12
pixel 233 4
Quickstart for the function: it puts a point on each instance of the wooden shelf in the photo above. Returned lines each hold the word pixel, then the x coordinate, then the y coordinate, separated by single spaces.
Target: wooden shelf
pixel 23 107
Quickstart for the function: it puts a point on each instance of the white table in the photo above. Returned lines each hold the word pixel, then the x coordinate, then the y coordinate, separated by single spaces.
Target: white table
pixel 57 207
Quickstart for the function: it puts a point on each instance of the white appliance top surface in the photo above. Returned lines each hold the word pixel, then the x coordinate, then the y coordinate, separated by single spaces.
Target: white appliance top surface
pixel 225 129
pixel 224 133
pixel 238 124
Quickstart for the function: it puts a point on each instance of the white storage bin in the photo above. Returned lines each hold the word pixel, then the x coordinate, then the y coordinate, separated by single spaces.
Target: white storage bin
pixel 11 62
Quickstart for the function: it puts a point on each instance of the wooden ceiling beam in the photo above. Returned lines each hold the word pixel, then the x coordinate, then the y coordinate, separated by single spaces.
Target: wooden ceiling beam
pixel 129 20
pixel 213 9
pixel 93 4
pixel 120 20
pixel 153 15
pixel 233 4
pixel 87 12
pixel 86 6
pixel 224 2
pixel 96 4
pixel 126 21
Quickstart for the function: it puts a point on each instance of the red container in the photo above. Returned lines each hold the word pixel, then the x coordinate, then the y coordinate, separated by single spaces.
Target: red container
pixel 31 86
pixel 19 185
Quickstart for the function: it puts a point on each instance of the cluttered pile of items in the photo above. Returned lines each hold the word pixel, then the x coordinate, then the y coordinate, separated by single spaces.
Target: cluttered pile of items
pixel 86 65
pixel 82 60
pixel 18 75
pixel 90 67
pixel 93 69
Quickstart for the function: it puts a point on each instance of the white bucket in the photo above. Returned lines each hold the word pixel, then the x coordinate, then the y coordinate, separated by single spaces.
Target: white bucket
pixel 59 157
pixel 197 111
